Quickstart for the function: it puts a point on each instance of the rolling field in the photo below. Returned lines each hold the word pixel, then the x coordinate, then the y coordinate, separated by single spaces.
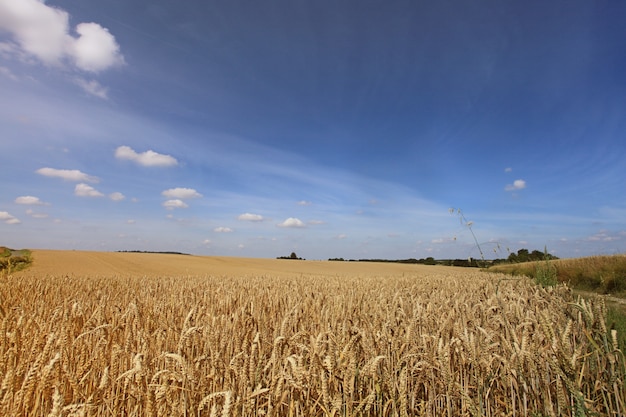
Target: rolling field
pixel 134 334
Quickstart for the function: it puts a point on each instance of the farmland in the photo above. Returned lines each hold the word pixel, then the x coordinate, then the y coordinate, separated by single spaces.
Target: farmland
pixel 95 334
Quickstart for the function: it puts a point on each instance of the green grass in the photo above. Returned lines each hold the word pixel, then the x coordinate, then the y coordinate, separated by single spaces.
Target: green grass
pixel 616 319
pixel 14 260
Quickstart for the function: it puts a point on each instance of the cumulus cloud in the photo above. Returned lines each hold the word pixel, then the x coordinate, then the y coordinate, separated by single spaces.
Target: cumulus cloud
pixel 84 190
pixel 67 174
pixel 42 32
pixel 95 49
pixel 93 87
pixel 517 185
pixel 508 169
pixel 30 201
pixel 304 203
pixel 223 230
pixel 249 217
pixel 292 222
pixel 181 193
pixel 148 158
pixel 174 204
pixel 8 218
pixel 116 196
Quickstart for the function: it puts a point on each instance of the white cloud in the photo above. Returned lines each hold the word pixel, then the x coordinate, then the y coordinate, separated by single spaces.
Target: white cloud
pixel 42 32
pixel 30 200
pixel 130 221
pixel 292 222
pixel 316 222
pixel 116 196
pixel 304 203
pixel 517 185
pixel 341 236
pixel 67 174
pixel 508 169
pixel 174 204
pixel 148 158
pixel 84 190
pixel 223 230
pixel 95 49
pixel 181 193
pixel 93 87
pixel 8 218
pixel 250 217
pixel 206 241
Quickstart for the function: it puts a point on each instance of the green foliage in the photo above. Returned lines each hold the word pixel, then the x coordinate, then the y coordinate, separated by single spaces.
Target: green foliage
pixel 292 256
pixel 616 319
pixel 545 271
pixel 523 255
pixel 14 260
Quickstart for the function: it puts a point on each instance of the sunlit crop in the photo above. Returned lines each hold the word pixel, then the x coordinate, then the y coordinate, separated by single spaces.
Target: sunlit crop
pixel 427 343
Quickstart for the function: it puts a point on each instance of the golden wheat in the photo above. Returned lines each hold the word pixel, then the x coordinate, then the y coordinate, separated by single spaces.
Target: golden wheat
pixel 429 343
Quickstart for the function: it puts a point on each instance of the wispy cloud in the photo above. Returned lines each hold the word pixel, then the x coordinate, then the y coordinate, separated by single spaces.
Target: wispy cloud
pixel 604 236
pixel 8 73
pixel 223 230
pixel 93 87
pixel 30 200
pixel 84 190
pixel 67 174
pixel 148 158
pixel 8 218
pixel 517 185
pixel 304 203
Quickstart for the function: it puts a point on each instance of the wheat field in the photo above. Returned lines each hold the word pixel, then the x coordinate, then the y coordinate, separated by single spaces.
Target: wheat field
pixel 112 334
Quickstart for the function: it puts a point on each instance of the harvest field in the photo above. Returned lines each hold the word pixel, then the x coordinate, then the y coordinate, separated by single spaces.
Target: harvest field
pixel 136 334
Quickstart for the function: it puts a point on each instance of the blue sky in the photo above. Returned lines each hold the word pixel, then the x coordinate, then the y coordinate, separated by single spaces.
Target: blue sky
pixel 328 128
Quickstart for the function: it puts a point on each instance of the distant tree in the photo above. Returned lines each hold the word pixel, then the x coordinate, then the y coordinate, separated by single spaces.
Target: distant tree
pixel 293 255
pixel 523 255
pixel 430 261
